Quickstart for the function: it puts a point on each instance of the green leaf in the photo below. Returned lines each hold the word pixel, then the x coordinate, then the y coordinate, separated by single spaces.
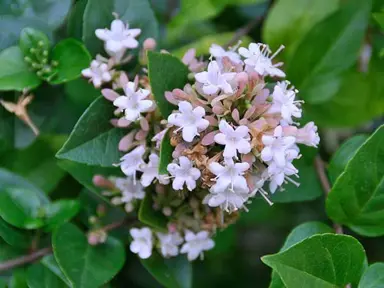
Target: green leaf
pixel 356 199
pixel 320 261
pixel 13 236
pixel 19 279
pixel 75 19
pixel 287 26
pixel 33 38
pixel 373 277
pixel 81 93
pixel 94 140
pixel 98 15
pixel 343 155
pixel 14 72
pixel 49 261
pixel 72 57
pixel 166 73
pixel 39 276
pixel 166 150
pixel 171 273
pixel 330 48
pixel 85 265
pixel 60 212
pixel 151 217
pixel 297 235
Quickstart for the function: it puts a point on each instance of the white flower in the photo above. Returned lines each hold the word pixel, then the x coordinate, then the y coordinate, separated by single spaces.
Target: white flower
pixel 213 80
pixel 276 146
pixel 142 242
pixel 218 52
pixel 308 135
pixel 130 191
pixel 190 120
pixel 151 172
pixel 132 161
pixel 98 73
pixel 169 243
pixel 258 57
pixel 119 38
pixel 196 244
pixel 133 103
pixel 234 140
pixel 279 174
pixel 284 102
pixel 184 173
pixel 229 174
pixel 229 199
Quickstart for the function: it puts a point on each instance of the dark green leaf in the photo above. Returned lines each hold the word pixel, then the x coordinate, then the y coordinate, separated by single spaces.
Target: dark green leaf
pixel 39 276
pixel 98 15
pixel 72 57
pixel 373 277
pixel 14 72
pixel 19 278
pixel 85 265
pixel 94 140
pixel 31 38
pixel 166 73
pixel 49 261
pixel 166 150
pixel 356 199
pixel 151 217
pixel 13 236
pixel 287 26
pixel 81 93
pixel 343 155
pixel 60 212
pixel 320 261
pixel 330 48
pixel 171 273
pixel 75 19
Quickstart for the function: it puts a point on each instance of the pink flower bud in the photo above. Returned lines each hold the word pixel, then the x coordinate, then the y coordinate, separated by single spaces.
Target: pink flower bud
pixel 127 141
pixel 102 182
pixel 109 94
pixel 209 138
pixel 93 239
pixel 149 44
pixel 172 227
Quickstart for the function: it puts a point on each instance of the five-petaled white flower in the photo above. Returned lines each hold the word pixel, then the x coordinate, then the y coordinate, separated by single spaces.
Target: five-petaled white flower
pixel 133 103
pixel 169 243
pixel 142 243
pixel 195 244
pixel 130 190
pixel 183 173
pixel 119 38
pixel 308 135
pixel 278 174
pixel 213 80
pixel 284 102
pixel 233 139
pixel 276 147
pixel 190 120
pixel 132 161
pixel 218 52
pixel 258 57
pixel 229 174
pixel 151 172
pixel 98 73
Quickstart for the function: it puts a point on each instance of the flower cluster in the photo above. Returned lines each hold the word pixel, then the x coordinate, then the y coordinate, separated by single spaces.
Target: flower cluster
pixel 233 139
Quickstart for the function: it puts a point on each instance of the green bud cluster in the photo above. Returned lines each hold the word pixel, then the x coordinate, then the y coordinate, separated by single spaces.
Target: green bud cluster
pixel 38 61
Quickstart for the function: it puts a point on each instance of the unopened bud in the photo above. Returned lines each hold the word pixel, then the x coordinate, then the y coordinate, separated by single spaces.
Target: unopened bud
pixel 92 220
pixel 101 210
pixel 242 77
pixel 39 73
pixel 54 63
pixel 45 53
pixel 27 59
pixel 191 76
pixel 149 44
pixel 36 65
pixel 44 61
pixel 97 237
pixel 32 50
pixel 102 182
pixel 167 211
pixel 40 43
pixel 47 70
pixel 172 228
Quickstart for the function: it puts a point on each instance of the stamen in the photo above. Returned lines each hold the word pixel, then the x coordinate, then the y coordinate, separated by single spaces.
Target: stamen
pixel 278 51
pixel 297 184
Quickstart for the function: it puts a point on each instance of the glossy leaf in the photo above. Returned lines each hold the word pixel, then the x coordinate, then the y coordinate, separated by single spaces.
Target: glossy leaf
pixel 166 73
pixel 59 212
pixel 356 198
pixel 175 272
pixel 49 261
pixel 330 48
pixel 85 265
pixel 94 140
pixel 166 150
pixel 13 236
pixel 320 261
pixel 14 72
pixel 72 57
pixel 151 217
pixel 38 276
pixel 75 19
pixel 31 38
pixel 343 155
pixel 373 277
pixel 98 15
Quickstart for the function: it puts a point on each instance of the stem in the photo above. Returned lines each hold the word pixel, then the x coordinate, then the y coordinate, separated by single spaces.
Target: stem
pixel 25 259
pixel 243 31
pixel 115 225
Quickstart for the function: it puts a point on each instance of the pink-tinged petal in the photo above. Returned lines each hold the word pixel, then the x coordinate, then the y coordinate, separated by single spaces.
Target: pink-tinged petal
pixel 212 120
pixel 220 138
pixel 109 94
pixel 189 132
pixel 177 183
pixel 123 123
pixel 170 98
pixel 102 34
pixel 141 135
pixel 242 131
pixel 189 56
pixel 208 139
pixel 126 142
pixel 144 124
pixel 236 115
pixel 201 77
pixel 218 110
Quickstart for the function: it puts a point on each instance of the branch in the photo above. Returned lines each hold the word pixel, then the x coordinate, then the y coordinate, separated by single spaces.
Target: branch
pixel 25 259
pixel 320 169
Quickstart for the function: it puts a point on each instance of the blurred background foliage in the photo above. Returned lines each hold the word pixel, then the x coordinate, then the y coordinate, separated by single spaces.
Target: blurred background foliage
pixel 333 55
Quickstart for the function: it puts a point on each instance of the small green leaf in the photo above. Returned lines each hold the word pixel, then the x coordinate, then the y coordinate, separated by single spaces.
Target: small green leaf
pixel 60 212
pixel 94 140
pixel 343 155
pixel 171 273
pixel 31 38
pixel 49 261
pixel 373 277
pixel 166 150
pixel 151 217
pixel 356 198
pixel 14 72
pixel 72 57
pixel 39 276
pixel 320 261
pixel 166 73
pixel 84 265
pixel 13 236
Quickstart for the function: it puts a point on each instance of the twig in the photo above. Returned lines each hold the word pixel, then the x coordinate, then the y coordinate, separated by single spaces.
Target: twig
pixel 320 169
pixel 115 225
pixel 243 31
pixel 25 259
